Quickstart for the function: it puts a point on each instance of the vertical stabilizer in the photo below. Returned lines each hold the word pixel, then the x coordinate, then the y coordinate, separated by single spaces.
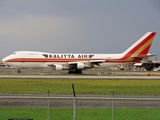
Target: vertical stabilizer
pixel 141 47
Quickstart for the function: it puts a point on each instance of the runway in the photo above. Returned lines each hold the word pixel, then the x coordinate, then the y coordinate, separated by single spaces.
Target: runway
pixel 109 77
pixel 87 74
pixel 82 101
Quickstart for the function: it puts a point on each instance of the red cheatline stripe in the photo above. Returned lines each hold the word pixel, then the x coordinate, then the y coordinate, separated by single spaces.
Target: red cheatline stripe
pixel 50 59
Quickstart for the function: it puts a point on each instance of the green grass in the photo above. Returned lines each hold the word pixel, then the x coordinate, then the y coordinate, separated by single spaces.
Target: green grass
pixel 101 87
pixel 82 113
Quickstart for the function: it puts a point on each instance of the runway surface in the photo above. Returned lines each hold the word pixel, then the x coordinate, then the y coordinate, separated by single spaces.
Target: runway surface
pixel 82 77
pixel 82 101
pixel 87 74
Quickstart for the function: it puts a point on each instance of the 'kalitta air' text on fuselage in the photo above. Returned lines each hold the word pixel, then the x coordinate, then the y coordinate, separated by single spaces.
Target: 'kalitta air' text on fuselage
pixel 67 56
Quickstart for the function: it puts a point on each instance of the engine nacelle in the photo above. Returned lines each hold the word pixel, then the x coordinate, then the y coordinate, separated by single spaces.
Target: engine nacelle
pixel 80 66
pixel 58 67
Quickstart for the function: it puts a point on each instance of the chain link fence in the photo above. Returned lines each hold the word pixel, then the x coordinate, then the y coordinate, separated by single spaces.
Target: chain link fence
pixel 79 108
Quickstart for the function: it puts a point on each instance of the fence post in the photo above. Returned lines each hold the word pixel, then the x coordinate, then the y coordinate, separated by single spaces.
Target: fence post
pixel 112 106
pixel 74 104
pixel 48 112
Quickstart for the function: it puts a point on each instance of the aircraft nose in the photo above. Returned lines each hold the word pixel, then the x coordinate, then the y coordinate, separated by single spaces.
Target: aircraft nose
pixel 4 60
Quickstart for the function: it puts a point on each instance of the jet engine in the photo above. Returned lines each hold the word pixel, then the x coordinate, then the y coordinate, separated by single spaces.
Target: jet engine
pixel 58 67
pixel 80 66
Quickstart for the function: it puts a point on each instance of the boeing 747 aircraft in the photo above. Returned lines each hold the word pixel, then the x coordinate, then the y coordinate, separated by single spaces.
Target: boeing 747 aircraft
pixel 75 63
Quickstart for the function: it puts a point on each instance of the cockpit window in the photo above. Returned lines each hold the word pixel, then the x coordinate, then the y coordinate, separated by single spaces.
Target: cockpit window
pixel 14 53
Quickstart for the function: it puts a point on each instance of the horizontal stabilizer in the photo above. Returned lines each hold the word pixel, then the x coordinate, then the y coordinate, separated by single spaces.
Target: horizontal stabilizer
pixel 145 57
pixel 138 64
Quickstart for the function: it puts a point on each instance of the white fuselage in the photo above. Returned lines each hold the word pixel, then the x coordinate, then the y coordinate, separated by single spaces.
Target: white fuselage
pixel 31 59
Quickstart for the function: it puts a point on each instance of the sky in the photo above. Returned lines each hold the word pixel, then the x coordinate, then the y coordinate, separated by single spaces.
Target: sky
pixel 77 26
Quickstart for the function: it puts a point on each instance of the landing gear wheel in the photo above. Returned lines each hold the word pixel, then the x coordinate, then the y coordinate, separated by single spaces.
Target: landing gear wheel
pixel 71 71
pixel 74 71
pixel 18 71
pixel 78 71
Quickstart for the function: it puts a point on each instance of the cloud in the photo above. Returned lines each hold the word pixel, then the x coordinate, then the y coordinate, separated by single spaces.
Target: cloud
pixel 27 27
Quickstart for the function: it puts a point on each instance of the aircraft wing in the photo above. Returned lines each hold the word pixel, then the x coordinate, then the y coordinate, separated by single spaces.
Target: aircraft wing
pixel 96 62
pixel 89 61
pixel 86 64
pixel 146 56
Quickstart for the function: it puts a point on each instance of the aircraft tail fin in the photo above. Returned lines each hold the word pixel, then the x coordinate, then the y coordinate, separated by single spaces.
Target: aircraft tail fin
pixel 141 47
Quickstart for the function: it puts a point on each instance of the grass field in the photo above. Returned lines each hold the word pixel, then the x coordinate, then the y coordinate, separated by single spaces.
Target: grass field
pixel 101 87
pixel 82 113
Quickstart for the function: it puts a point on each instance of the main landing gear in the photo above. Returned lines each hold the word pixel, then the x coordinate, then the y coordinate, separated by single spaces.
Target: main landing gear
pixel 74 71
pixel 18 71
